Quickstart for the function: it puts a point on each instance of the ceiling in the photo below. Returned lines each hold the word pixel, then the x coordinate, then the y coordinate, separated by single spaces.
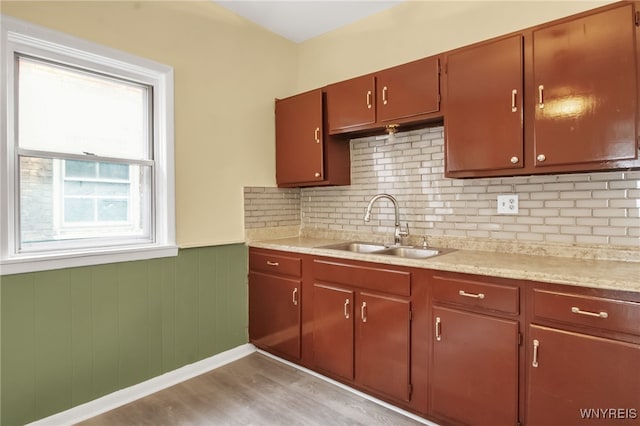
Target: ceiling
pixel 300 20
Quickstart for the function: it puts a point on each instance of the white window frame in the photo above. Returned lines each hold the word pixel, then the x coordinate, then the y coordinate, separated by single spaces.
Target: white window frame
pixel 21 37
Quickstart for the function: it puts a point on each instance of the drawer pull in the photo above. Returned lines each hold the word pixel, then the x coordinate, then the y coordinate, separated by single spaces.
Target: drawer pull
pixel 346 308
pixel 294 296
pixel 363 311
pixel 576 310
pixel 472 295
pixel 438 329
pixel 270 263
pixel 534 362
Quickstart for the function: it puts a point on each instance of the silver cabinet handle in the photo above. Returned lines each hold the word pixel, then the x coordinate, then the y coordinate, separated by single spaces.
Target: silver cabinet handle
pixel 472 295
pixel 384 95
pixel 369 99
pixel 579 311
pixel 346 308
pixel 363 311
pixel 317 174
pixel 438 329
pixel 541 157
pixel 541 96
pixel 294 296
pixel 514 160
pixel 534 362
pixel 270 263
pixel 317 134
pixel 514 94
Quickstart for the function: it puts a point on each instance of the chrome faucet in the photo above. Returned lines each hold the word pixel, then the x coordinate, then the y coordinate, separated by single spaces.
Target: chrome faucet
pixel 399 232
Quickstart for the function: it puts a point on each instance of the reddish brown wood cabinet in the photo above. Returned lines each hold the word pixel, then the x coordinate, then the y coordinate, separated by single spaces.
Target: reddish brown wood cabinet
pixel 578 110
pixel 586 90
pixel 305 154
pixel 402 94
pixel 359 334
pixel 582 357
pixel 484 119
pixel 475 351
pixel 274 302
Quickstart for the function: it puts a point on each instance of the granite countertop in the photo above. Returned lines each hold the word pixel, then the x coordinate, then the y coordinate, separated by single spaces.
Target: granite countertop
pixel 602 274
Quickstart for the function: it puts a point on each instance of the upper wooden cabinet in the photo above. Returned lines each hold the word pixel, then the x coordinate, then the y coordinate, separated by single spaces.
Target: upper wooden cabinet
pixel 585 80
pixel 579 109
pixel 484 118
pixel 402 94
pixel 305 154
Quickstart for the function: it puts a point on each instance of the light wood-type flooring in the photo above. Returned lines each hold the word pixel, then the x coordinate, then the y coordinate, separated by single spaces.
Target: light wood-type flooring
pixel 254 390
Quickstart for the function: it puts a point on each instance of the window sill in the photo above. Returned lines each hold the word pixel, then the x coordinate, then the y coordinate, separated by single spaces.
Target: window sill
pixel 35 263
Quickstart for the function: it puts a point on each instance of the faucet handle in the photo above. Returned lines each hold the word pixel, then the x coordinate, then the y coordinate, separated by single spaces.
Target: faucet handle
pixel 425 244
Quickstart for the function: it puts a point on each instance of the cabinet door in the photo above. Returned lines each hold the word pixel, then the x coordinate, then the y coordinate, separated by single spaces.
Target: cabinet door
pixel 351 103
pixel 474 372
pixel 408 90
pixel 274 313
pixel 586 90
pixel 299 139
pixel 572 377
pixel 483 118
pixel 383 344
pixel 333 330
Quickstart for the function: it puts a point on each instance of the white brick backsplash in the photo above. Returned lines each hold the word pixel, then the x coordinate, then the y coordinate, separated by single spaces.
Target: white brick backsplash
pixel 579 209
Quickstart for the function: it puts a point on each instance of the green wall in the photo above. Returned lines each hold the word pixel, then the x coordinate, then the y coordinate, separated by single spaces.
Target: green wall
pixel 70 336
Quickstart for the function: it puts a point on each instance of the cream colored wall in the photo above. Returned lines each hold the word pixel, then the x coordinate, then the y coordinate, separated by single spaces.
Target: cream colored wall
pixel 417 29
pixel 227 74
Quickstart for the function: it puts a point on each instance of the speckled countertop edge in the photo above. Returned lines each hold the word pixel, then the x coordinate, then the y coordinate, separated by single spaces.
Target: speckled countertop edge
pixel 601 274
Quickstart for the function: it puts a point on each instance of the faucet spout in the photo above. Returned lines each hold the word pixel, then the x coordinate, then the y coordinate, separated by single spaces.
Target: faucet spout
pixel 399 232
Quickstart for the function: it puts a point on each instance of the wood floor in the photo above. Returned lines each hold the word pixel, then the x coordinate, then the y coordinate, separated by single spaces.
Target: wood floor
pixel 255 390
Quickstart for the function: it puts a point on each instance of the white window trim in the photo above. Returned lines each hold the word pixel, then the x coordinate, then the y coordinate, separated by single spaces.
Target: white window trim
pixel 21 36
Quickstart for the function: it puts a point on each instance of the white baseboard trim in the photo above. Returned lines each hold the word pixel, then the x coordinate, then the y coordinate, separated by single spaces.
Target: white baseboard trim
pixel 352 390
pixel 132 393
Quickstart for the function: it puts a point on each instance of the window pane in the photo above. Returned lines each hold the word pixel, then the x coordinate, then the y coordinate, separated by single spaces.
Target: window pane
pixel 77 168
pixel 112 210
pixel 55 207
pixel 114 171
pixel 79 210
pixel 61 109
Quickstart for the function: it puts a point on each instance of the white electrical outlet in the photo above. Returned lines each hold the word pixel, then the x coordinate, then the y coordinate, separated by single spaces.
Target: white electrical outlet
pixel 508 204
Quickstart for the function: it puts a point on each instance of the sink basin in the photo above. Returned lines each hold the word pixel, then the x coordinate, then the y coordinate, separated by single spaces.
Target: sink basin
pixel 357 247
pixel 411 252
pixel 373 248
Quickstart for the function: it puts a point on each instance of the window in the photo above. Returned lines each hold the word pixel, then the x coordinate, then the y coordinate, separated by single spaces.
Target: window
pixel 87 169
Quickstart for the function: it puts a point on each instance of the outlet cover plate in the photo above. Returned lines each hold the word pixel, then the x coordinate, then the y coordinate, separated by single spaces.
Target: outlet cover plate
pixel 508 204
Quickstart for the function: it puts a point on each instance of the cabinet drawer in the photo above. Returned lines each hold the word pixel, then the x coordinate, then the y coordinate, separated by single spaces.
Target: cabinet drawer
pixel 597 312
pixel 476 294
pixel 378 279
pixel 274 263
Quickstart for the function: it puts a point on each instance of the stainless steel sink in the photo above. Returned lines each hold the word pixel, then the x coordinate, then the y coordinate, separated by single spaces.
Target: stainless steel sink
pixel 411 252
pixel 357 247
pixel 374 248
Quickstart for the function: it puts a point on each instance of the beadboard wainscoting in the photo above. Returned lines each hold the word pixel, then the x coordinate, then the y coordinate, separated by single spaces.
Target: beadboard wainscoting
pixel 73 335
pixel 586 209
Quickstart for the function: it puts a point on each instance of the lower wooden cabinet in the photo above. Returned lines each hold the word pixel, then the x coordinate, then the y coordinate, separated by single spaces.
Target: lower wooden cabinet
pixel 474 374
pixel 274 303
pixel 575 378
pixel 361 335
pixel 457 348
